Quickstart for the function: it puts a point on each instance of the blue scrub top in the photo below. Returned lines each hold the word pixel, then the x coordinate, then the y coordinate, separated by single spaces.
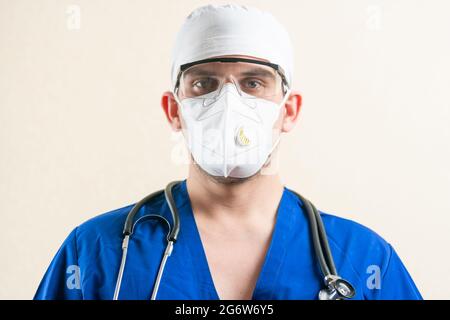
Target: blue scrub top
pixel 87 264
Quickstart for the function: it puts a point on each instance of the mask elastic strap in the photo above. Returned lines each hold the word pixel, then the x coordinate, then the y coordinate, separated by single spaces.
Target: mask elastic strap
pixel 175 96
pixel 288 92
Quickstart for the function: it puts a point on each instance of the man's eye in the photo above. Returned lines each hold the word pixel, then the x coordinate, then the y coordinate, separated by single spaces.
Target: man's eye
pixel 253 84
pixel 203 83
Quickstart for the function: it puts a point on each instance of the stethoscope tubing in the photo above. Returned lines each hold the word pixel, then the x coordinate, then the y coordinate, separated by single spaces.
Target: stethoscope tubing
pixel 319 238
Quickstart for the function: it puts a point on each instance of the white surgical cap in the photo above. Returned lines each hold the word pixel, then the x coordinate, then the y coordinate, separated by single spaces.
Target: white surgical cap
pixel 216 30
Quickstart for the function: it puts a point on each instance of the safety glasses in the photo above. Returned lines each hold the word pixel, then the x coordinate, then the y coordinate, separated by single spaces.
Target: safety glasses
pixel 252 78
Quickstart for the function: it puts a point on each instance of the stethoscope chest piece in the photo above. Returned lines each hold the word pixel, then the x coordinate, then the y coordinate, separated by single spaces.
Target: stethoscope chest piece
pixel 337 289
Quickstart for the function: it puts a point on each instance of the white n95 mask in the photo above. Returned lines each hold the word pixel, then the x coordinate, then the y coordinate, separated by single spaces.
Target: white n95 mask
pixel 230 134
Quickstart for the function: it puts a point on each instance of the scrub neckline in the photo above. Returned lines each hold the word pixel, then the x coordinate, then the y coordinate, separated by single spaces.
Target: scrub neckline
pixel 273 259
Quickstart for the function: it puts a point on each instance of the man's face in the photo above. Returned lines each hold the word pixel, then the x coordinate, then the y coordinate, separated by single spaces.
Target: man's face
pixel 250 79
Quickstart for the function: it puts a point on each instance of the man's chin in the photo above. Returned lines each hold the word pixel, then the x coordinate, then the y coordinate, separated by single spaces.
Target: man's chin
pixel 225 180
pixel 230 180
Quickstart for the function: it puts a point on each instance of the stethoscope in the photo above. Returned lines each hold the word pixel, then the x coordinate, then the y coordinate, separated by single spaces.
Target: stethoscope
pixel 335 287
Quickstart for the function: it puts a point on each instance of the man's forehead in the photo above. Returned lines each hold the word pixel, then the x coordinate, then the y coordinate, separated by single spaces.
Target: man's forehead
pixel 244 68
pixel 241 56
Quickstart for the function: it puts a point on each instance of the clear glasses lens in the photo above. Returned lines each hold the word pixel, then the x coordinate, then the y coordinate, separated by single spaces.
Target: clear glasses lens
pixel 250 79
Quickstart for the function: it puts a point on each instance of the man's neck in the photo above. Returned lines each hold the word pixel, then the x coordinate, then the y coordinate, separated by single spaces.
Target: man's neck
pixel 255 198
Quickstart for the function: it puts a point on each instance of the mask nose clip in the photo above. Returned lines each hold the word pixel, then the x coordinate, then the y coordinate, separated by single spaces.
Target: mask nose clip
pixel 227 88
pixel 230 88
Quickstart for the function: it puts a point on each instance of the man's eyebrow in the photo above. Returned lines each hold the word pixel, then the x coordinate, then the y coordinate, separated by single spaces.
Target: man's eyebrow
pixel 258 72
pixel 200 72
pixel 255 72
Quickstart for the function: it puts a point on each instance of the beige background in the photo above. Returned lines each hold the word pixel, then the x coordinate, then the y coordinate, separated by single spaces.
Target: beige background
pixel 82 132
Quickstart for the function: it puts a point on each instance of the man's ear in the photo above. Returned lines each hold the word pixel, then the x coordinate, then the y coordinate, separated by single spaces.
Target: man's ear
pixel 291 111
pixel 171 108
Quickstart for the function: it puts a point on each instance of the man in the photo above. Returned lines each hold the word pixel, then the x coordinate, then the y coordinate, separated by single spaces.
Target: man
pixel 243 235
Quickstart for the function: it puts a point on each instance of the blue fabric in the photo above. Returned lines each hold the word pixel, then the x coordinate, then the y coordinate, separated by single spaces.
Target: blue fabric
pixel 86 265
